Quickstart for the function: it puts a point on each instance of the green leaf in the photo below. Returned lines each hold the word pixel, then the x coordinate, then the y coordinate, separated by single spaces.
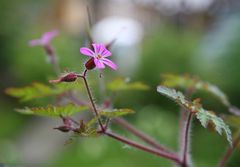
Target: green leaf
pixel 204 116
pixel 36 90
pixel 110 114
pixel 39 90
pixel 116 113
pixel 191 82
pixel 177 97
pixel 124 84
pixel 53 111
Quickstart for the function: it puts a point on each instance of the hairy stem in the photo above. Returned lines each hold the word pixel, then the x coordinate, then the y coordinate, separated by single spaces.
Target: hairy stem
pixel 186 141
pixel 123 123
pixel 182 125
pixel 126 125
pixel 91 99
pixel 229 152
pixel 150 150
pixel 183 118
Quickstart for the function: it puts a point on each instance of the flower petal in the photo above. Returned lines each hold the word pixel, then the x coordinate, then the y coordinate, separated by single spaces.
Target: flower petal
pixel 106 53
pixel 86 51
pixel 99 64
pixel 48 36
pixel 98 48
pixel 109 63
pixel 35 42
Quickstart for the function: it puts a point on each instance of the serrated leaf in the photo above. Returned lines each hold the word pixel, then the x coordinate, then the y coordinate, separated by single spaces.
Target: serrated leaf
pixel 189 82
pixel 177 97
pixel 124 84
pixel 204 116
pixel 39 90
pixel 116 113
pixel 53 111
pixel 35 90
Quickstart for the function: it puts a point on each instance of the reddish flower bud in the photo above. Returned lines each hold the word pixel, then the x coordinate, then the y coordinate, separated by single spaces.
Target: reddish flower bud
pixel 63 128
pixel 70 77
pixel 49 50
pixel 67 121
pixel 90 64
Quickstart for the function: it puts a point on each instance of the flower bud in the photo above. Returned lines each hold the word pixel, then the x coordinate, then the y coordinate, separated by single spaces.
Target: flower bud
pixel 49 50
pixel 69 77
pixel 90 64
pixel 64 128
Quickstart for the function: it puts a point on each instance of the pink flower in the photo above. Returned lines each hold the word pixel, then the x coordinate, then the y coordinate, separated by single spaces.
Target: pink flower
pixel 45 39
pixel 99 56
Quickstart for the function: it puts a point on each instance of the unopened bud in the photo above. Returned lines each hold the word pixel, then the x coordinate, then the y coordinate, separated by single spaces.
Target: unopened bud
pixel 64 128
pixel 67 121
pixel 90 64
pixel 70 77
pixel 49 50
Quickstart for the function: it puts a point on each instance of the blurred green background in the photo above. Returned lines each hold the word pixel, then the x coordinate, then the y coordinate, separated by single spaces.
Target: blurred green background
pixel 177 39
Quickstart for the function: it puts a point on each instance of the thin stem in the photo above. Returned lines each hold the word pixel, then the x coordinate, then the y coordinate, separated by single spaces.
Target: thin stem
pixel 89 26
pixel 186 140
pixel 130 128
pixel 123 123
pixel 229 152
pixel 150 150
pixel 53 58
pixel 182 123
pixel 91 99
pixel 183 118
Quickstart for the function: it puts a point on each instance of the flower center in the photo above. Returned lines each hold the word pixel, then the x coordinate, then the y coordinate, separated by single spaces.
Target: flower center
pixel 99 56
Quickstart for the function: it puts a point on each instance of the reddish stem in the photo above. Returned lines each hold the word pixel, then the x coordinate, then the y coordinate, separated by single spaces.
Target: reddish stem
pixel 138 133
pixel 91 99
pixel 159 153
pixel 53 58
pixel 229 152
pixel 186 140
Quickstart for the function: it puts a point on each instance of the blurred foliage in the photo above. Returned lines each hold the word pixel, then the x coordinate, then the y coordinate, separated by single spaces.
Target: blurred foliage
pixel 39 90
pixel 53 111
pixel 204 116
pixel 167 48
pixel 120 84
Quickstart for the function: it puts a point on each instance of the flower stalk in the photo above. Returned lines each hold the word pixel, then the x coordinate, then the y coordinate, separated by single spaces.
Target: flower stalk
pixel 91 98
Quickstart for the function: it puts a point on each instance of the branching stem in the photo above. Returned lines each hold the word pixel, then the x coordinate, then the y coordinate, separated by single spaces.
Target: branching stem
pixel 159 153
pixel 140 134
pixel 229 152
